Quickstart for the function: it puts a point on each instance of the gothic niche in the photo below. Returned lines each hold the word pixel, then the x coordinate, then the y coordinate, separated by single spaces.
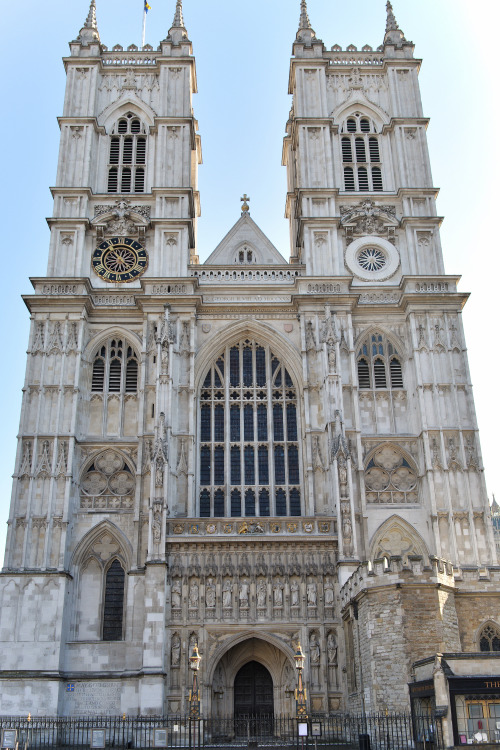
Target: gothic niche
pixel 389 477
pixel 108 484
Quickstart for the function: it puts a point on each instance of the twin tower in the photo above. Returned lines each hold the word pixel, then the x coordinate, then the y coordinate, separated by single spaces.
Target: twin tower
pixel 251 451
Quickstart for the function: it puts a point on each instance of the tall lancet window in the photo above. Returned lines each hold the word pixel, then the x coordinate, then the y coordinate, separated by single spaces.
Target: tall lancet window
pixel 249 436
pixel 127 156
pixel 361 155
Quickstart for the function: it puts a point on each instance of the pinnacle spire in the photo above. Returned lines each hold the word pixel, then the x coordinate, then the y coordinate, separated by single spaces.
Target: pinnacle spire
pixel 89 32
pixel 304 22
pixel 306 32
pixel 392 24
pixel 393 34
pixel 177 32
pixel 178 22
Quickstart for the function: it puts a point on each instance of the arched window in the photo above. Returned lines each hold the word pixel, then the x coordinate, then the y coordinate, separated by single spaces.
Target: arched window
pixel 249 443
pixel 114 590
pixel 127 151
pixel 359 141
pixel 379 364
pixel 115 368
pixel 489 637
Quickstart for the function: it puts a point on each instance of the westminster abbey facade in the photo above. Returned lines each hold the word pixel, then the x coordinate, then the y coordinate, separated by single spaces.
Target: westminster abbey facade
pixel 252 451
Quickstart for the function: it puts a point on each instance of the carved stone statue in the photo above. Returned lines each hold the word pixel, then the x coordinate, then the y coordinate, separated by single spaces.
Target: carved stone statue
pixel 331 647
pixel 175 658
pixel 261 594
pixel 210 593
pixel 176 594
pixel 294 591
pixel 194 594
pixel 329 596
pixel 314 650
pixel 227 595
pixel 244 593
pixel 278 593
pixel 312 594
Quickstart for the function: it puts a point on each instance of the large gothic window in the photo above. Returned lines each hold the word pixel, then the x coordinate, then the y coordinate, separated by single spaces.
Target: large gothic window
pixel 361 155
pixel 249 449
pixel 127 155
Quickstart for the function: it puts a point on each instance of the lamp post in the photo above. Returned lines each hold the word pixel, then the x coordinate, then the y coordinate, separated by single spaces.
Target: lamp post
pixel 194 693
pixel 300 691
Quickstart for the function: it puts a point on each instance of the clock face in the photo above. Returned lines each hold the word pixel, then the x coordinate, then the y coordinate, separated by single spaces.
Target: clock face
pixel 119 260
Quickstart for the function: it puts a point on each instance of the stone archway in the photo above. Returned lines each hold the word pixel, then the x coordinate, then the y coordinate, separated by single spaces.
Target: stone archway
pixel 265 654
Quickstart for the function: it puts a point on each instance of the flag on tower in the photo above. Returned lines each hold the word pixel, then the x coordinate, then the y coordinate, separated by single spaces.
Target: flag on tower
pixel 146 6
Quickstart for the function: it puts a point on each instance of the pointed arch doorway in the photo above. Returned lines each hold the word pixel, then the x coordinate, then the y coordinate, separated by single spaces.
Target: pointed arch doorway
pixel 253 691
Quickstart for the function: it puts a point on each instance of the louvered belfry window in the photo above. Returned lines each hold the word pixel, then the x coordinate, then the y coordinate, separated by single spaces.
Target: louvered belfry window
pixel 249 436
pixel 361 155
pixel 115 368
pixel 127 156
pixel 379 364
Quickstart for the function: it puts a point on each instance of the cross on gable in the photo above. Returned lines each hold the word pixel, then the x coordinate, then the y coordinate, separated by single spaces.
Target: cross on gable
pixel 245 199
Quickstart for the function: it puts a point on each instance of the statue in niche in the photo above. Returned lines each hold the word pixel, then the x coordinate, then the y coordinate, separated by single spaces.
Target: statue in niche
pixel 328 587
pixel 244 593
pixel 261 594
pixel 210 593
pixel 294 591
pixel 331 647
pixel 176 594
pixel 312 594
pixel 278 593
pixel 194 594
pixel 175 658
pixel 193 641
pixel 314 650
pixel 227 595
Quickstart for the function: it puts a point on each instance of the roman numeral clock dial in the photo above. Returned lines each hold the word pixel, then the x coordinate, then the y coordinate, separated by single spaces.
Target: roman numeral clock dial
pixel 119 260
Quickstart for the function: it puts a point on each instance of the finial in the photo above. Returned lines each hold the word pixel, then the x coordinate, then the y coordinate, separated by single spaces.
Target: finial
pixel 245 207
pixel 392 24
pixel 89 32
pixel 393 34
pixel 304 22
pixel 178 22
pixel 306 32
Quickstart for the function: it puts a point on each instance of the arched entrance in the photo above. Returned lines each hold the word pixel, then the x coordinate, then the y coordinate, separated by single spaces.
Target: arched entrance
pixel 253 691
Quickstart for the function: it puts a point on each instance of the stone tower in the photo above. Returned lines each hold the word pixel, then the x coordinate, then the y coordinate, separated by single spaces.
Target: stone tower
pixel 248 452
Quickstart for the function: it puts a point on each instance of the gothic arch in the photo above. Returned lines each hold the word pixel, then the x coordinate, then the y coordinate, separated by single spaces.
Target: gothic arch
pixel 240 638
pixel 115 110
pixel 396 537
pixel 360 103
pixel 100 338
pixel 262 333
pixel 488 631
pixel 392 338
pixel 396 447
pixel 84 550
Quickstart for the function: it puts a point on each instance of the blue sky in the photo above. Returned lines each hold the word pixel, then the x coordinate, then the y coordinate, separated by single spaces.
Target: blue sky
pixel 242 52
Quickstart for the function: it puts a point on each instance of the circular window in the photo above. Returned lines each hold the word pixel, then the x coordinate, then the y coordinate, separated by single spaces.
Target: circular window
pixel 372 259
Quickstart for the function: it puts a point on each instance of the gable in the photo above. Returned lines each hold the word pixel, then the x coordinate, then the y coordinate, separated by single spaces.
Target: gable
pixel 245 244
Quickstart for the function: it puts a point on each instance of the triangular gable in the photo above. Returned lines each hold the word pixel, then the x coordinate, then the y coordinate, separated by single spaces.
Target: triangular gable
pixel 245 237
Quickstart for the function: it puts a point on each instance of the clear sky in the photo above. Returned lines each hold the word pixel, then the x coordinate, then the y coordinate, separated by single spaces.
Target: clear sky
pixel 242 52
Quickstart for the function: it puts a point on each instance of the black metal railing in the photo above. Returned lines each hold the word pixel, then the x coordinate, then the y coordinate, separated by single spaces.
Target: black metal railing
pixel 333 732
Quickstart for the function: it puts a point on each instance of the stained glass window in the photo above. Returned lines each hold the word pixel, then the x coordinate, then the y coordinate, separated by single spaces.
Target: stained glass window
pixel 112 629
pixel 254 453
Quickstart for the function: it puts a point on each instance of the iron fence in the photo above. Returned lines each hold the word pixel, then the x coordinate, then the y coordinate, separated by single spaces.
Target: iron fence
pixel 332 732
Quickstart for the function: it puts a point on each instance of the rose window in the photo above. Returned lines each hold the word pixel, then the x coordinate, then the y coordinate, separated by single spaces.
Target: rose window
pixel 371 259
pixel 108 484
pixel 389 478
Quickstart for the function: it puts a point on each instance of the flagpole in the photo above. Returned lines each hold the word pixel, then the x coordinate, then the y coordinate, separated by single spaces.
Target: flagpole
pixel 144 29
